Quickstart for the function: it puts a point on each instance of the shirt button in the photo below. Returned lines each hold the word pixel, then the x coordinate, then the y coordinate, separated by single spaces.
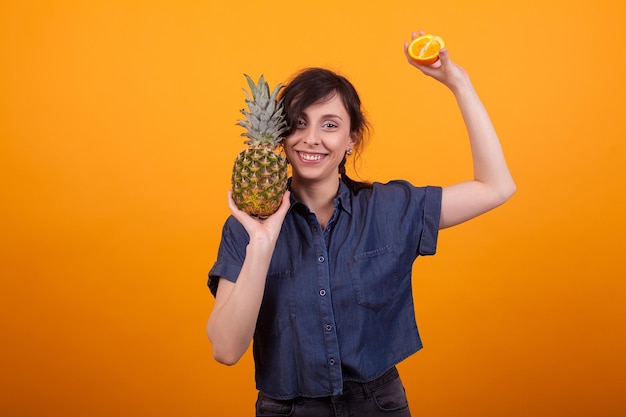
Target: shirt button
pixel 331 361
pixel 320 259
pixel 322 292
pixel 328 327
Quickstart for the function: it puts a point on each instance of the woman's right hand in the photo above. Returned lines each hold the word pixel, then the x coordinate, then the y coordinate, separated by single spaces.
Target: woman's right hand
pixel 258 229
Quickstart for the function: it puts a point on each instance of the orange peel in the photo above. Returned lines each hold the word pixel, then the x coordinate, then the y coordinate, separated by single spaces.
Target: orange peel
pixel 424 49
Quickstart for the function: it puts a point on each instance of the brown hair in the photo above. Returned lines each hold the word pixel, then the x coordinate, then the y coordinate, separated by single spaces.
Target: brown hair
pixel 314 85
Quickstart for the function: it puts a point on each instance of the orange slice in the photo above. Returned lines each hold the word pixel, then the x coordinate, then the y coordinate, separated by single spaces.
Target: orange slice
pixel 425 49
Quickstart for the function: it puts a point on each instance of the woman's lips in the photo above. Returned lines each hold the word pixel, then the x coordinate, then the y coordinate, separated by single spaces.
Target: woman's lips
pixel 311 157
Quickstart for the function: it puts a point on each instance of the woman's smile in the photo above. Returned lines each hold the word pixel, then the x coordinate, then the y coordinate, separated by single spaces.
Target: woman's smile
pixel 310 157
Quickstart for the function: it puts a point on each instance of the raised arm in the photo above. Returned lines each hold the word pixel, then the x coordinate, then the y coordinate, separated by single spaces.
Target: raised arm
pixel 233 319
pixel 492 184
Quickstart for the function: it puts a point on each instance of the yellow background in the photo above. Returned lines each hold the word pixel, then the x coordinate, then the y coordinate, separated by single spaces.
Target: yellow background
pixel 117 128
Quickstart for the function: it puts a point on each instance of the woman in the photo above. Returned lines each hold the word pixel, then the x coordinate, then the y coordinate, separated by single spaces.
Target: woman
pixel 324 285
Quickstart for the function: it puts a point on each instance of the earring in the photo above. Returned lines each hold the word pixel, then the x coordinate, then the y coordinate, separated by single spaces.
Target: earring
pixel 349 151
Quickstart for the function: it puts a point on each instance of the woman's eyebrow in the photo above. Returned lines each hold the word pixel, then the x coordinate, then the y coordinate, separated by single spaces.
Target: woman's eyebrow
pixel 324 116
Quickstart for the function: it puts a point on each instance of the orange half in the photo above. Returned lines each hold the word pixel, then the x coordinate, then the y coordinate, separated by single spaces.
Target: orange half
pixel 425 49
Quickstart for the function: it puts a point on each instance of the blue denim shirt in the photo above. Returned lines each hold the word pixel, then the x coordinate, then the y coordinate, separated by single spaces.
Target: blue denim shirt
pixel 338 304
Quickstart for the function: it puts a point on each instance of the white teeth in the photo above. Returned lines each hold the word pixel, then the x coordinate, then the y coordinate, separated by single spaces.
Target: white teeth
pixel 310 157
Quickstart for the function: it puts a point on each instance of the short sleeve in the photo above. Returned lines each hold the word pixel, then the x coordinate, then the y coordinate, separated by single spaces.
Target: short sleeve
pixel 231 254
pixel 431 215
pixel 411 214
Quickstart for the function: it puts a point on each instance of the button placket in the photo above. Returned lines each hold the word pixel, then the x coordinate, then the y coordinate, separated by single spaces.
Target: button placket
pixel 327 318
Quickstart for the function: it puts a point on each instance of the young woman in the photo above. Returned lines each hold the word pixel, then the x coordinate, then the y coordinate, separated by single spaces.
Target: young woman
pixel 323 286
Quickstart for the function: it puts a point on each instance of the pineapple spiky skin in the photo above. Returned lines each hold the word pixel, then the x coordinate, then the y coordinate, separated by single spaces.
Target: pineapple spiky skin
pixel 259 177
pixel 259 181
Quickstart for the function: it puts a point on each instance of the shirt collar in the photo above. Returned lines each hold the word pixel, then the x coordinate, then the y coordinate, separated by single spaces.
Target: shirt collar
pixel 343 199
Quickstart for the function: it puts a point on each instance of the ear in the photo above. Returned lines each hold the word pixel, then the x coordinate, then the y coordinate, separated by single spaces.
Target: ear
pixel 353 139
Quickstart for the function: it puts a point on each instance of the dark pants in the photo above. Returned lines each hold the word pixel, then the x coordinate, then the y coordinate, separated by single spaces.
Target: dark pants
pixel 384 396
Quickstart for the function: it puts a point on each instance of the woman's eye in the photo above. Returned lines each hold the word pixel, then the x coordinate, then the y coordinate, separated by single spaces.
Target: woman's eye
pixel 300 123
pixel 330 125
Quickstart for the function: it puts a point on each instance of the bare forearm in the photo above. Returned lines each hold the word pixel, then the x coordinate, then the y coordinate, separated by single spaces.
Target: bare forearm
pixel 233 320
pixel 234 316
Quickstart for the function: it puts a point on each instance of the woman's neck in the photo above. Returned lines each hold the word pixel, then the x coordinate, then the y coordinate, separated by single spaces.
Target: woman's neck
pixel 317 196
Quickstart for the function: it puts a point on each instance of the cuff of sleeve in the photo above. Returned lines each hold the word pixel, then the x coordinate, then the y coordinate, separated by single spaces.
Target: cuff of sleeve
pixel 432 215
pixel 222 270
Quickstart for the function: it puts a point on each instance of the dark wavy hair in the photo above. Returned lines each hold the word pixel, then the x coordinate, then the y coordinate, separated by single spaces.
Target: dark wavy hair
pixel 314 85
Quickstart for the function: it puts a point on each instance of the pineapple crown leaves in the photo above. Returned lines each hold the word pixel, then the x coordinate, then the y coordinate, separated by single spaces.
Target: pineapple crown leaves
pixel 264 120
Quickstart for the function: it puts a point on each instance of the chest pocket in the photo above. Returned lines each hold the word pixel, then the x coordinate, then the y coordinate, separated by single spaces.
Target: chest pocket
pixel 374 276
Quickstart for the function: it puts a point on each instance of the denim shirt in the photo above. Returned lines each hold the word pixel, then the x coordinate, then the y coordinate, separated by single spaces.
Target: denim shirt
pixel 338 304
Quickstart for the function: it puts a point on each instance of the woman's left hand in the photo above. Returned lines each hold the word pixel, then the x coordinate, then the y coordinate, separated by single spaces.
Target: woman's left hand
pixel 443 70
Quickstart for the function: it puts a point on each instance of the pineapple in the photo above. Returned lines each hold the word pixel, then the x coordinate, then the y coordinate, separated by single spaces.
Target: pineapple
pixel 259 177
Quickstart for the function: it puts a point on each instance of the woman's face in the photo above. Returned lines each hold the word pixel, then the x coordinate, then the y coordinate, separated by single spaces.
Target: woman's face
pixel 319 140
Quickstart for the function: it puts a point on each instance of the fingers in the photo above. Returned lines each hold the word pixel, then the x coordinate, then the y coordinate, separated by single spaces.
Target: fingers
pixel 245 218
pixel 406 51
pixel 231 203
pixel 434 70
pixel 234 210
pixel 444 57
pixel 286 201
pixel 415 35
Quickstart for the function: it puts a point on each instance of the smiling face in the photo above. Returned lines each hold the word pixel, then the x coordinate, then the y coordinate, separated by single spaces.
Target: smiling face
pixel 319 140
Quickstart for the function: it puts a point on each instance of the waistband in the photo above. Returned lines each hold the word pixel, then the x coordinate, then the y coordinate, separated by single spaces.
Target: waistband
pixel 351 387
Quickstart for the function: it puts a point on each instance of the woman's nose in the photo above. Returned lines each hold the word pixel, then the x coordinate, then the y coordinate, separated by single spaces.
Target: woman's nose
pixel 310 137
